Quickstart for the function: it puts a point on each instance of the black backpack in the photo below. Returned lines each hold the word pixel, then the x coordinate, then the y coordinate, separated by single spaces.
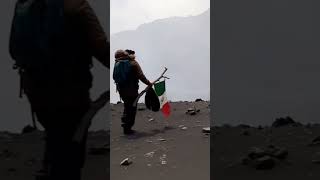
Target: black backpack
pixel 36 28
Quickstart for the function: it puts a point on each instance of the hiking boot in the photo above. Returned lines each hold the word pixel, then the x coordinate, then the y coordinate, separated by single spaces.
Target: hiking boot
pixel 128 131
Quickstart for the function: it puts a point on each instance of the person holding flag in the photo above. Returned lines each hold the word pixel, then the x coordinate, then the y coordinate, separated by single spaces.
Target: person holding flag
pixel 126 74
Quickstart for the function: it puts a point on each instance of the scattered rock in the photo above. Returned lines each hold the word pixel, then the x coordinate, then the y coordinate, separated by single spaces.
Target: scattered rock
pixel 316 158
pixel 199 100
pixel 281 153
pixel 163 159
pixel 126 162
pixel 192 111
pixel 279 122
pixel 315 141
pixel 265 162
pixel 149 155
pixel 184 128
pixel 245 133
pixel 206 130
pixel 265 158
pixel 28 129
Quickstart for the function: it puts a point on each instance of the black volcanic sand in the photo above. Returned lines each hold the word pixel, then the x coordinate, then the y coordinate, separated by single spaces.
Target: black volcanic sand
pixel 174 153
pixel 21 155
pixel 229 145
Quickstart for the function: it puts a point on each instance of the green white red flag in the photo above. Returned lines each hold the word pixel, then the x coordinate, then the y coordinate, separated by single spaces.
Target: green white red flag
pixel 160 89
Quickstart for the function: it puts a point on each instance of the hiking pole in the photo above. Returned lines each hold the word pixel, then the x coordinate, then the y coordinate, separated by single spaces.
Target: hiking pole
pixel 135 103
pixel 85 122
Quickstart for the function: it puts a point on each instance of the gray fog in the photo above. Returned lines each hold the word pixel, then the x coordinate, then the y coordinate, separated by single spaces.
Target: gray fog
pixel 182 44
pixel 266 62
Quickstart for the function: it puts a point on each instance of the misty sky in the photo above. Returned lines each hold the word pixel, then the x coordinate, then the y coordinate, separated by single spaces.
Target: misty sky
pixel 129 14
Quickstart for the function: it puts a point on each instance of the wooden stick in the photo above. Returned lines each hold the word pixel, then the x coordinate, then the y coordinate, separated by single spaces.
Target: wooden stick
pixel 146 89
pixel 87 118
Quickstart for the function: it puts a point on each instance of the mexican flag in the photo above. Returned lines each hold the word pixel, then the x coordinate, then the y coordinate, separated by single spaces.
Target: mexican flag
pixel 160 89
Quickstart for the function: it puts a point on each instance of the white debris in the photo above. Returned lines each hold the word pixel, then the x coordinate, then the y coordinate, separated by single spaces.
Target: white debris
pixel 149 155
pixel 126 162
pixel 206 130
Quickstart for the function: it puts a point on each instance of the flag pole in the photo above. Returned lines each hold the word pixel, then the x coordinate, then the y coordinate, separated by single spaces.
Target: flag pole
pixel 146 89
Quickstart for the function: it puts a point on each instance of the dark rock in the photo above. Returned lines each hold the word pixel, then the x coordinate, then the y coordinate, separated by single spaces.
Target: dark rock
pixel 28 129
pixel 264 163
pixel 245 133
pixel 315 141
pixel 245 161
pixel 255 153
pixel 279 122
pixel 281 153
pixel 192 111
pixel 206 130
pixel 199 100
pixel 316 158
pixel 126 162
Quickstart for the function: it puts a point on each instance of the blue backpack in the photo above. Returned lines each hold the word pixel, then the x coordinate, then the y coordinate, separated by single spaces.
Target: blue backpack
pixel 121 72
pixel 35 29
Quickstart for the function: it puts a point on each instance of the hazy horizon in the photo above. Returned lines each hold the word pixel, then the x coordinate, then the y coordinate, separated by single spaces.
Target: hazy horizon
pixel 151 38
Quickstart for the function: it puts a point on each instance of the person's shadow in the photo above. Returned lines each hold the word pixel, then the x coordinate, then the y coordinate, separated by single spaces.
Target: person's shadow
pixel 140 134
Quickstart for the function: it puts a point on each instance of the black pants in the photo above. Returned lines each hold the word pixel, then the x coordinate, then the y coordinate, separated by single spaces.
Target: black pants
pixel 129 112
pixel 60 115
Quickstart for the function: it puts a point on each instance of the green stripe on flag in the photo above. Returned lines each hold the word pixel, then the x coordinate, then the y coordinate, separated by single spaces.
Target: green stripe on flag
pixel 160 88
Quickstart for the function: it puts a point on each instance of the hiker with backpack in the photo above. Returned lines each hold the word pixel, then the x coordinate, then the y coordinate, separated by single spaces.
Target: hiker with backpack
pixel 126 74
pixel 52 43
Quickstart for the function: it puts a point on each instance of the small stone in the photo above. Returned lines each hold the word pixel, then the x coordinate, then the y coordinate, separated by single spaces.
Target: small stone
pixel 184 128
pixel 150 154
pixel 315 161
pixel 161 139
pixel 255 153
pixel 126 162
pixel 199 100
pixel 279 122
pixel 206 130
pixel 315 141
pixel 265 162
pixel 246 133
pixel 281 154
pixel 152 119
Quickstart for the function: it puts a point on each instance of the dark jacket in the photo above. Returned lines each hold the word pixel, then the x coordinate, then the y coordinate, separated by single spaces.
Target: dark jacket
pixel 83 38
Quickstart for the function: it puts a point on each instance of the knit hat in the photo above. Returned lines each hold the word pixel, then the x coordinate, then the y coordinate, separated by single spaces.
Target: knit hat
pixel 120 54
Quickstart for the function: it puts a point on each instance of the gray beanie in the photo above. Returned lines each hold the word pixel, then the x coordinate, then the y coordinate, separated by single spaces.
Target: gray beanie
pixel 120 54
